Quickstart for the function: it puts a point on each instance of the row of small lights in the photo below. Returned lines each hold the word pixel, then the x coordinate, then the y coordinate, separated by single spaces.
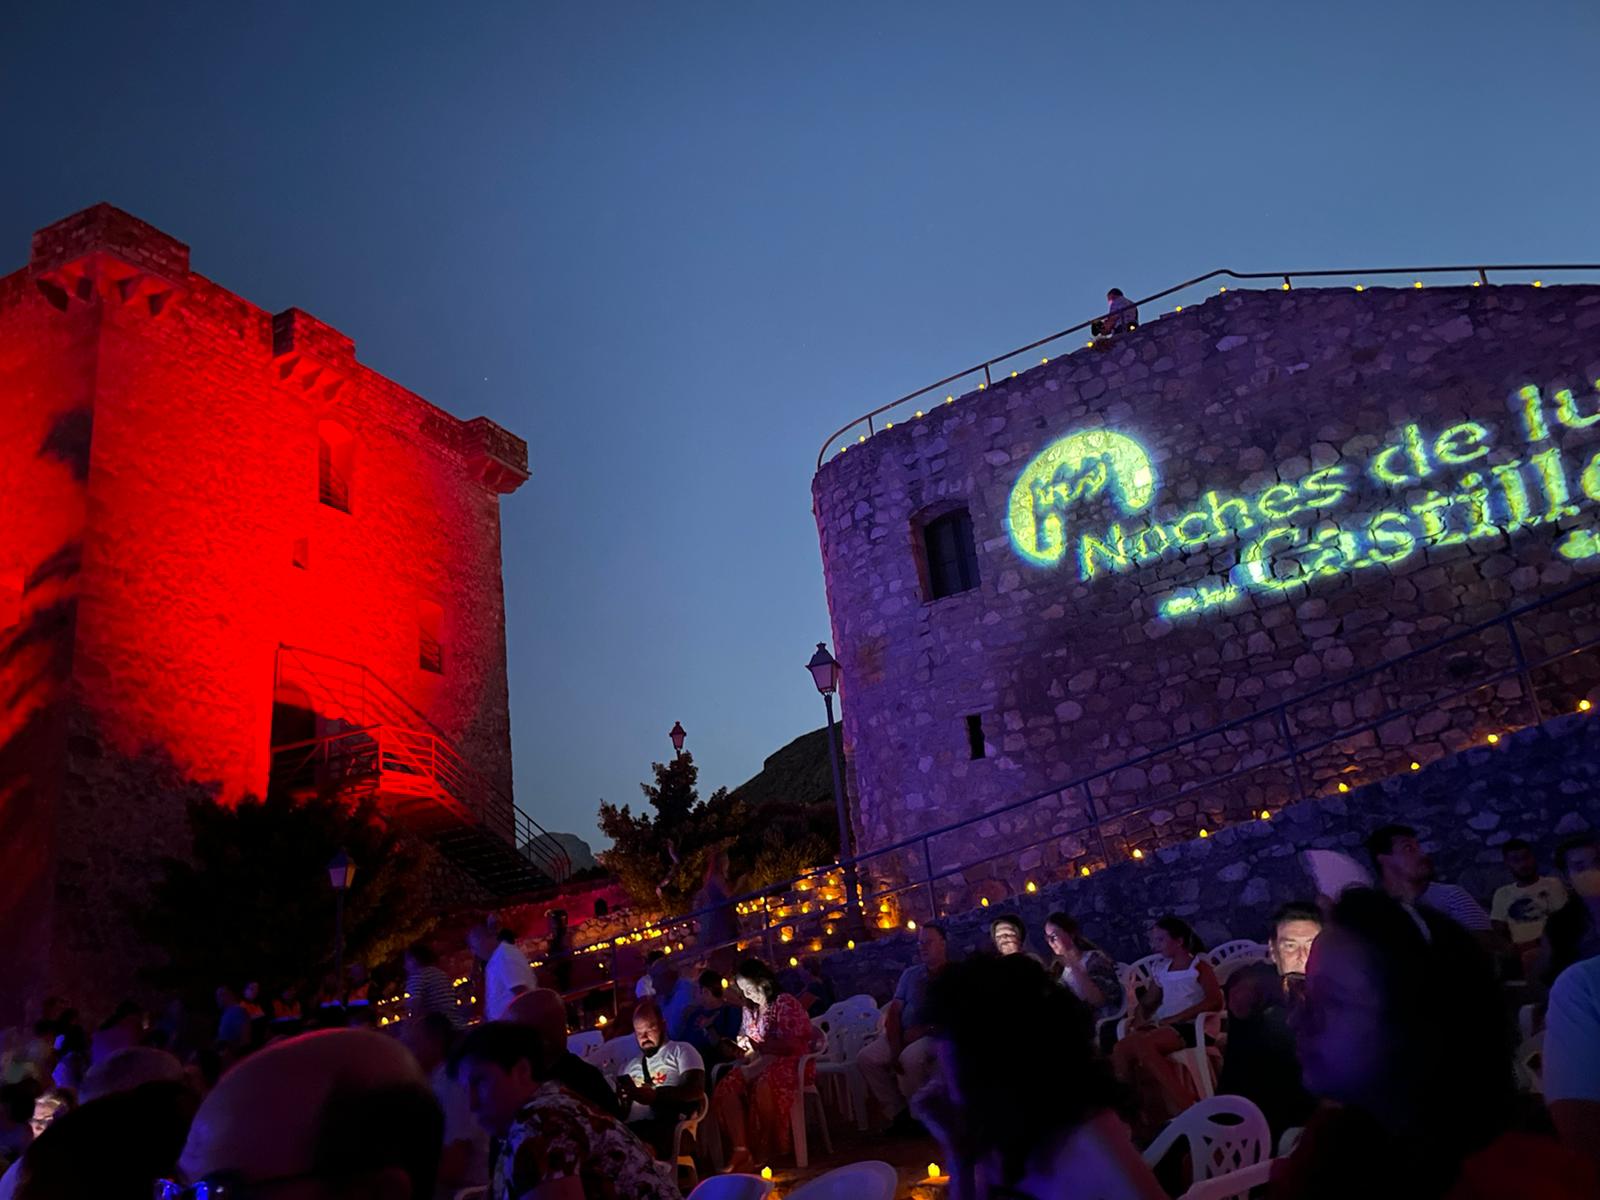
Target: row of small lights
pixel 1089 345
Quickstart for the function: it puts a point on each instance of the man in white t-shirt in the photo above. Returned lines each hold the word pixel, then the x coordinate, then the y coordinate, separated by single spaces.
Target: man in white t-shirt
pixel 1406 872
pixel 1521 907
pixel 664 1084
pixel 506 973
pixel 1572 1057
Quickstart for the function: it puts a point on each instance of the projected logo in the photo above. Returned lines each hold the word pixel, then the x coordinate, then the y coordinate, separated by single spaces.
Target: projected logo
pixel 1086 496
pixel 1077 468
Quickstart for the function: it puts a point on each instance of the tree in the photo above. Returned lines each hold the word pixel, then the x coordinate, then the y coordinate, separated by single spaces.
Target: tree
pixel 254 902
pixel 662 858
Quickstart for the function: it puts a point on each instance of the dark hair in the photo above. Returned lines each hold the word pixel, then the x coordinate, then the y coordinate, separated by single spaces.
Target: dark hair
pixel 1114 292
pixel 118 1145
pixel 1516 844
pixel 1296 910
pixel 1179 928
pixel 1575 841
pixel 1018 1088
pixel 1382 839
pixel 362 1129
pixel 1012 920
pixel 711 981
pixel 654 956
pixel 1068 924
pixel 124 1010
pixel 758 973
pixel 938 927
pixel 503 1043
pixel 423 953
pixel 16 1099
pixel 506 935
pixel 1448 1064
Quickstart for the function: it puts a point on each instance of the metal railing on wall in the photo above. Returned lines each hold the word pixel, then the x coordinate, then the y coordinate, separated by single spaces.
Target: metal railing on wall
pixel 1484 678
pixel 984 372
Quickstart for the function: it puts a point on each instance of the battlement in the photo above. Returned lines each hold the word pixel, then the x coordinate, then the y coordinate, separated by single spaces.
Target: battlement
pixel 106 227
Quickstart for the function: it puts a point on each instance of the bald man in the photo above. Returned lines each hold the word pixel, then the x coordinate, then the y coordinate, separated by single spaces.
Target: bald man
pixel 342 1112
pixel 543 1011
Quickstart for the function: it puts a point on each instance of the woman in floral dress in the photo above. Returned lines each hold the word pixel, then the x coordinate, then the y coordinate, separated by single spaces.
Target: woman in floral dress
pixel 753 1100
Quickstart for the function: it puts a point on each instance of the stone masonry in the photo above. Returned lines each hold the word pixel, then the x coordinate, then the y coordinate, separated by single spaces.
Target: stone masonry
pixel 162 446
pixel 1223 509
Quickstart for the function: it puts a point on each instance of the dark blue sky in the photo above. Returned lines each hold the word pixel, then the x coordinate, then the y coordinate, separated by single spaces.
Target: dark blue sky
pixel 674 244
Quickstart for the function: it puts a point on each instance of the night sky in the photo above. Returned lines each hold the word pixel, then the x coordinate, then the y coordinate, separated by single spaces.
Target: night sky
pixel 673 245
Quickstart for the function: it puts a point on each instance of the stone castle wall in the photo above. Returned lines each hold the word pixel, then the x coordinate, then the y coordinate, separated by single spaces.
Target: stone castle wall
pixel 1539 784
pixel 1227 507
pixel 162 451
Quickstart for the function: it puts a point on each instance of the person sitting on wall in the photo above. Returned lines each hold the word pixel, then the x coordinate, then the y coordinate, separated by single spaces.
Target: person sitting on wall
pixel 1573 931
pixel 1407 873
pixel 663 1085
pixel 900 1061
pixel 1182 987
pixel 1521 908
pixel 1122 316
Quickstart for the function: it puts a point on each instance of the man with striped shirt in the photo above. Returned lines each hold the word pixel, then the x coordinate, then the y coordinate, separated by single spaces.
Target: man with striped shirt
pixel 428 988
pixel 1406 872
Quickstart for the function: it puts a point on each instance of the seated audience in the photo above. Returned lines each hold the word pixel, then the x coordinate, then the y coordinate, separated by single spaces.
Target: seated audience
pixel 550 1143
pixel 1295 927
pixel 663 1085
pixel 753 1099
pixel 1087 971
pixel 711 1025
pixel 120 1145
pixel 1258 1057
pixel 1406 872
pixel 807 984
pixel 1402 1027
pixel 1573 931
pixel 233 1025
pixel 464 1153
pixel 52 1103
pixel 123 1028
pixel 1183 986
pixel 1018 1114
pixel 542 1011
pixel 646 986
pixel 340 1113
pixel 1572 1057
pixel 899 1062
pixel 1521 907
pixel 128 1069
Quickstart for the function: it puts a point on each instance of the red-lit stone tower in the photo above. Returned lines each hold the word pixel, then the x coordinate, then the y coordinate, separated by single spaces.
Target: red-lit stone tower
pixel 232 558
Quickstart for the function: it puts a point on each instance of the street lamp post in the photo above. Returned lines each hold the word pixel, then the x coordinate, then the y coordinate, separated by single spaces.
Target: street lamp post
pixel 677 735
pixel 341 873
pixel 825 673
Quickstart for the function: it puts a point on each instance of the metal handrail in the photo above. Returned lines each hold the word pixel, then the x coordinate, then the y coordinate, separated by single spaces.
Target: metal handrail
pixel 1291 752
pixel 526 835
pixel 1287 277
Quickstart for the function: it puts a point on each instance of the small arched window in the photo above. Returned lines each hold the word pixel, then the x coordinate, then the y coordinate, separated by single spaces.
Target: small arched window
pixel 336 460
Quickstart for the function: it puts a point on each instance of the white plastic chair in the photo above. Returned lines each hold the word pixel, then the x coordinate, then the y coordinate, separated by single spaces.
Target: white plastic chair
pixel 583 1043
pixel 1235 1185
pixel 847 1029
pixel 733 1187
pixel 1230 956
pixel 797 1113
pixel 611 1057
pixel 1204 1060
pixel 859 1181
pixel 1289 1139
pixel 1225 1134
pixel 690 1125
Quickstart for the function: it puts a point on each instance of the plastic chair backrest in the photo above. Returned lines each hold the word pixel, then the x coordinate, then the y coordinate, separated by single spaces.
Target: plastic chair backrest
pixel 859 1181
pixel 1225 1133
pixel 733 1187
pixel 611 1057
pixel 1230 956
pixel 1143 970
pixel 585 1043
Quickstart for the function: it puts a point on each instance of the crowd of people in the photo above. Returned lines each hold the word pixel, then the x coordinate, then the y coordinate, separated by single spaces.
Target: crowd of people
pixel 1382 1025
